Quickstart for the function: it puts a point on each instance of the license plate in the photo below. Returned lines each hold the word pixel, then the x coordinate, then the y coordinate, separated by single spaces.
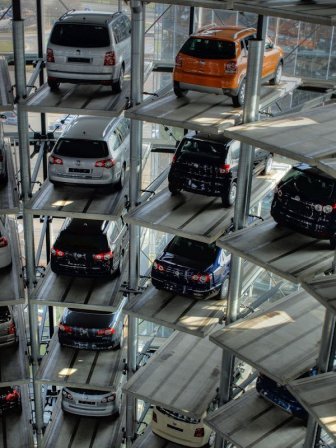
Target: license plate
pixel 91 403
pixel 81 60
pixel 174 427
pixel 79 170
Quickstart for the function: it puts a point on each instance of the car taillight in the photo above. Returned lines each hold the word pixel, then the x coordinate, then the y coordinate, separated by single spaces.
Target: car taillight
pixel 57 252
pixel 104 256
pixel 11 328
pixel 65 328
pixel 199 432
pixel 107 163
pixel 3 242
pixel 201 278
pixel 230 67
pixel 13 396
pixel 109 58
pixel 154 417
pixel 105 331
pixel 50 55
pixel 67 395
pixel 174 158
pixel 178 60
pixel 158 266
pixel 224 169
pixel 55 160
pixel 109 398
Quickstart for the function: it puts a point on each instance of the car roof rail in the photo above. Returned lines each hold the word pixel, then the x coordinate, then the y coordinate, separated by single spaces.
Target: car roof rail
pixel 208 27
pixel 66 13
pixel 113 16
pixel 252 30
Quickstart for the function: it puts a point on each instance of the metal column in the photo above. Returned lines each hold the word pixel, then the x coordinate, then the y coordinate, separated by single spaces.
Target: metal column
pixel 242 203
pixel 137 65
pixel 25 176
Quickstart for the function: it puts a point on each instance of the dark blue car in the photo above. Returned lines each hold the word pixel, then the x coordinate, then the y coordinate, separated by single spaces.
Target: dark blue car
pixel 280 395
pixel 192 268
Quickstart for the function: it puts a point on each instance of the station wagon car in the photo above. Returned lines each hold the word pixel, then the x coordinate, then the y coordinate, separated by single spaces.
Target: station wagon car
pixel 208 165
pixel 192 268
pixel 5 250
pixel 91 403
pixel 214 60
pixel 305 200
pixel 8 334
pixel 90 248
pixel 92 151
pixel 90 330
pixel 10 400
pixel 89 47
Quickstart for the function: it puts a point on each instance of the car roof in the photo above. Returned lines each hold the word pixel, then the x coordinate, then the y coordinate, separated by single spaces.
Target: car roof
pixel 90 128
pixel 89 227
pixel 224 32
pixel 208 137
pixel 304 167
pixel 96 17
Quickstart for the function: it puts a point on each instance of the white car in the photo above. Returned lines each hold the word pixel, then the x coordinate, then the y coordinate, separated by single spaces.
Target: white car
pixel 5 251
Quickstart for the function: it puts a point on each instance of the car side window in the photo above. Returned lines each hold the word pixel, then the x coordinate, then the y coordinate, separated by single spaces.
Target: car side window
pixel 246 40
pixel 268 44
pixel 117 31
pixel 114 141
pixel 126 26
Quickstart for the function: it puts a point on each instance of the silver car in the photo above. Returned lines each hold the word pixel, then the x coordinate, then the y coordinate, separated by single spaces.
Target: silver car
pixel 8 334
pixel 89 47
pixel 92 151
pixel 91 403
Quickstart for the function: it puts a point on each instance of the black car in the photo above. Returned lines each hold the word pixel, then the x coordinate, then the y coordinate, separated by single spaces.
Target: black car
pixel 89 248
pixel 10 399
pixel 305 200
pixel 90 330
pixel 208 165
pixel 192 268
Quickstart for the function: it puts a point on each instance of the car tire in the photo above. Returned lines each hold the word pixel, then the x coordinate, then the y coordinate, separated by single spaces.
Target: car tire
pixel 229 197
pixel 53 84
pixel 180 93
pixel 277 75
pixel 239 99
pixel 224 289
pixel 268 165
pixel 173 189
pixel 333 242
pixel 118 85
pixel 121 182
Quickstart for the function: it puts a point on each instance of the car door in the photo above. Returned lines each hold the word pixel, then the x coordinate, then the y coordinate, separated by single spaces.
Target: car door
pixel 233 158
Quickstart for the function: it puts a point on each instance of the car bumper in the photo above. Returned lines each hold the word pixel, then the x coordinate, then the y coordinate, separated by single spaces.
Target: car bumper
pixel 9 406
pixel 82 180
pixel 178 438
pixel 87 345
pixel 185 290
pixel 90 411
pixel 8 340
pixel 80 271
pixel 80 77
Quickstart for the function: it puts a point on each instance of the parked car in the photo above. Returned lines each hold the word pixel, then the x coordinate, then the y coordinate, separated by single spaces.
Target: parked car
pixel 8 334
pixel 208 165
pixel 91 403
pixel 93 151
pixel 89 248
pixel 3 158
pixel 56 128
pixel 192 268
pixel 214 60
pixel 280 395
pixel 5 250
pixel 90 330
pixel 305 200
pixel 89 47
pixel 10 399
pixel 9 118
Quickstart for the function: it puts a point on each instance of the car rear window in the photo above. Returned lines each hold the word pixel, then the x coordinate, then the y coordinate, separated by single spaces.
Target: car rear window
pixel 85 149
pixel 88 320
pixel 78 35
pixel 209 48
pixel 4 314
pixel 68 241
pixel 194 250
pixel 201 146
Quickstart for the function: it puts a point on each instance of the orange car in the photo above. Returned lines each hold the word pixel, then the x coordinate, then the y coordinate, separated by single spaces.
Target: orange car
pixel 214 60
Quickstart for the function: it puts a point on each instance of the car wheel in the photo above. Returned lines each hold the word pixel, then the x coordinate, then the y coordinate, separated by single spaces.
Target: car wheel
pixel 180 93
pixel 277 75
pixel 224 290
pixel 333 242
pixel 212 439
pixel 121 181
pixel 118 85
pixel 268 165
pixel 173 189
pixel 239 99
pixel 53 84
pixel 229 196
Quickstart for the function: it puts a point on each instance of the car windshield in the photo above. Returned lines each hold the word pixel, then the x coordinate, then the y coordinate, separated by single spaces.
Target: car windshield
pixel 4 314
pixel 201 146
pixel 85 149
pixel 91 319
pixel 209 48
pixel 80 35
pixel 194 250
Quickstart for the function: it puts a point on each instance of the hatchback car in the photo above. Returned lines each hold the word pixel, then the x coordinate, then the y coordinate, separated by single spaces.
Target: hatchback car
pixel 89 248
pixel 305 200
pixel 8 334
pixel 208 165
pixel 10 400
pixel 91 403
pixel 93 151
pixel 89 47
pixel 90 330
pixel 214 60
pixel 192 268
pixel 5 250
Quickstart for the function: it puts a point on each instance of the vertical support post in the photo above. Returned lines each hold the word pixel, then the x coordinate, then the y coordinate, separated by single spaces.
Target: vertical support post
pixel 330 51
pixel 191 19
pixel 20 81
pixel 137 68
pixel 242 204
